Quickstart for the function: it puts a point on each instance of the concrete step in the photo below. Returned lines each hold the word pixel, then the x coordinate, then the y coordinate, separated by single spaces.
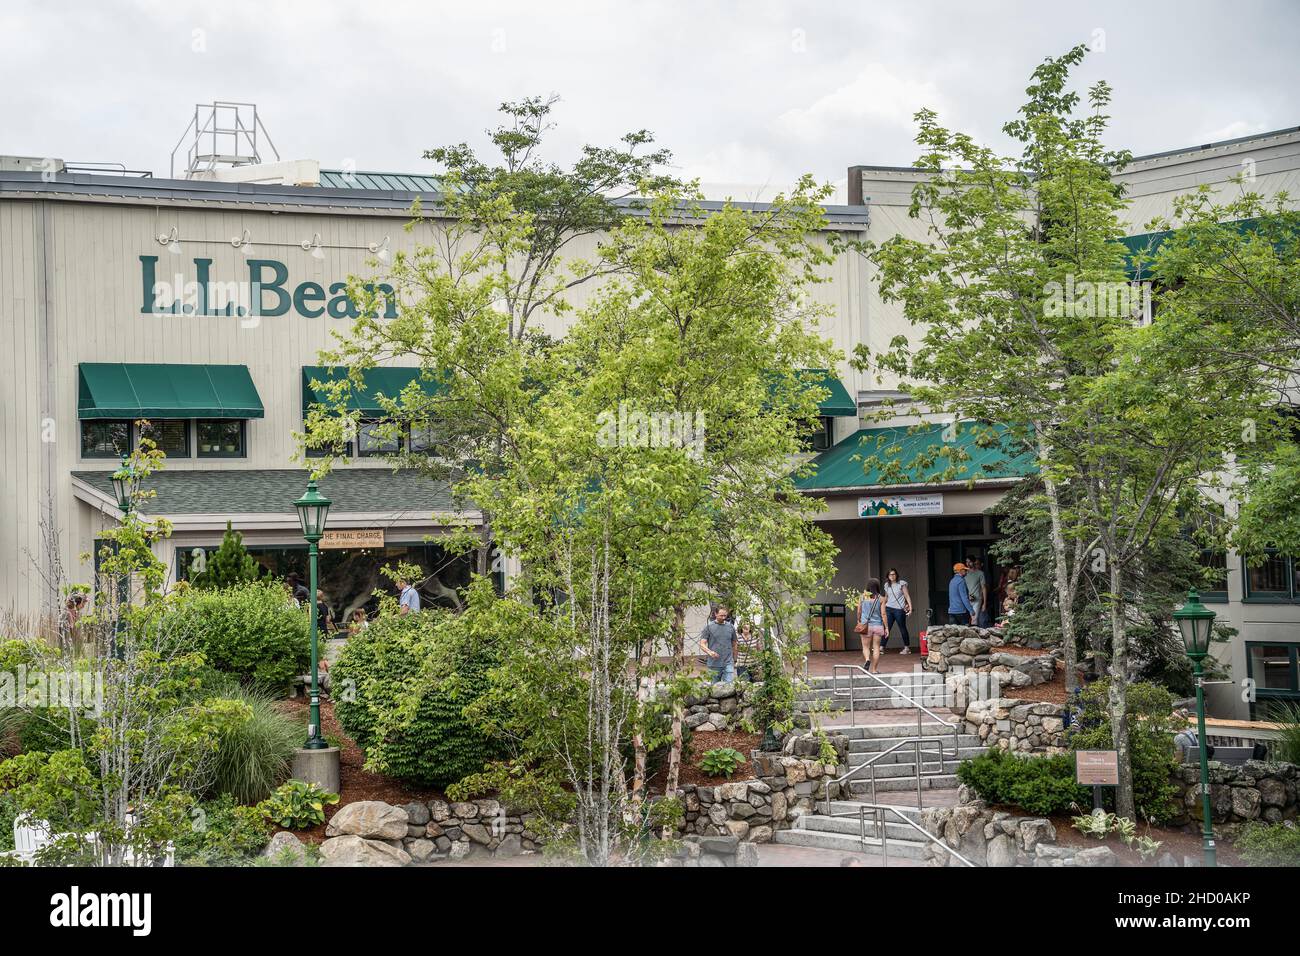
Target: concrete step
pixel 903 768
pixel 848 826
pixel 894 731
pixel 875 703
pixel 902 849
pixel 877 744
pixel 885 784
pixel 906 755
pixel 850 807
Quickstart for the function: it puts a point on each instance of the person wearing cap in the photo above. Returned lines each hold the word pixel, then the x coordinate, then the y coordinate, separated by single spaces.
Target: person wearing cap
pixel 960 609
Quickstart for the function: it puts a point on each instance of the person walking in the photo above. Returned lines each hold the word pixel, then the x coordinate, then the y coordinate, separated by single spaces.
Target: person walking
pixel 324 616
pixel 717 642
pixel 747 653
pixel 960 609
pixel 977 589
pixel 871 624
pixel 898 605
pixel 409 601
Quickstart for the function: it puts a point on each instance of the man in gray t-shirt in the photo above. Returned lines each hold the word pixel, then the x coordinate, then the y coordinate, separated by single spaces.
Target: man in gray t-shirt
pixel 718 644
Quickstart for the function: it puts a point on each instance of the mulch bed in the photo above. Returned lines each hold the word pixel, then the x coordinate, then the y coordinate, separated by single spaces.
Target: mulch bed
pixel 355 782
pixel 701 743
pixel 1179 842
pixel 1050 692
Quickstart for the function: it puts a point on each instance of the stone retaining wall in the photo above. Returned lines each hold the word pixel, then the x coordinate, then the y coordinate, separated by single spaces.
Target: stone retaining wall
pixel 1256 790
pixel 962 650
pixel 1028 726
pixel 723 707
pixel 372 833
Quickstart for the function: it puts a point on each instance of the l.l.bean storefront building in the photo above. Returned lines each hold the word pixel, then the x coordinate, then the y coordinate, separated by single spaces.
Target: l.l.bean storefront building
pixel 119 300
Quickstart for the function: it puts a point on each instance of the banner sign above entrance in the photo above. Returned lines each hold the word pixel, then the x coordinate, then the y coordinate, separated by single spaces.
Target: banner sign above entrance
pixel 354 538
pixel 893 506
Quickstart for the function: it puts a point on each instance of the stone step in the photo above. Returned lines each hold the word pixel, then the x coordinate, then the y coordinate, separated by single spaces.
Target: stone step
pixel 874 703
pixel 886 770
pixel 851 807
pixel 902 849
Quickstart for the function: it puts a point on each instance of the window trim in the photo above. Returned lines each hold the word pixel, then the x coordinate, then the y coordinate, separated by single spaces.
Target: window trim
pixel 1272 693
pixel 115 456
pixel 1271 597
pixel 138 433
pixel 242 451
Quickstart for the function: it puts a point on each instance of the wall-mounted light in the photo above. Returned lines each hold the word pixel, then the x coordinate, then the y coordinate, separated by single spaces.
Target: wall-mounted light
pixel 313 245
pixel 380 249
pixel 244 243
pixel 172 241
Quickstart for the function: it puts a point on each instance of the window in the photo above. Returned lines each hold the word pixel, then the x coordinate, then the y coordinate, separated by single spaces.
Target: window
pixel 172 437
pixel 422 439
pixel 102 438
pixel 823 437
pixel 1272 668
pixel 1273 579
pixel 220 437
pixel 1215 563
pixel 377 437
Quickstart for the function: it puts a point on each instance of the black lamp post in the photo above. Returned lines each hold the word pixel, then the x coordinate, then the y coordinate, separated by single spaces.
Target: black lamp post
pixel 313 508
pixel 1196 621
pixel 125 482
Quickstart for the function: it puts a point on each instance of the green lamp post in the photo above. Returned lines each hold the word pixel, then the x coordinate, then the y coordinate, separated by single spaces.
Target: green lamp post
pixel 125 482
pixel 1196 621
pixel 313 508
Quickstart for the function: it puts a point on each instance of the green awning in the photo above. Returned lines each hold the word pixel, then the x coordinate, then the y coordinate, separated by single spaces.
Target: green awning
pixel 1148 244
pixel 838 404
pixel 388 382
pixel 125 390
pixel 905 456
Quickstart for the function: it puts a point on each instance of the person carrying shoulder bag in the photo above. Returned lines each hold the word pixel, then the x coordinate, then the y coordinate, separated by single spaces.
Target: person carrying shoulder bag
pixel 871 624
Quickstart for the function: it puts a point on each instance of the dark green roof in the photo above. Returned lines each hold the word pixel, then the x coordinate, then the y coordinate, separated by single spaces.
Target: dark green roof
pixel 386 381
pixel 398 182
pixel 1148 244
pixel 918 456
pixel 273 491
pixel 838 403
pixel 125 390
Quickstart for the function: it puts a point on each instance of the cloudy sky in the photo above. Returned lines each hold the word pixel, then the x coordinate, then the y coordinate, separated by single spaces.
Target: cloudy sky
pixel 748 93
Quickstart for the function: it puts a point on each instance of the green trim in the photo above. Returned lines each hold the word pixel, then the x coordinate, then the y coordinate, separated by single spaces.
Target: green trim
pixel 838 403
pixel 386 382
pixel 134 391
pixel 919 456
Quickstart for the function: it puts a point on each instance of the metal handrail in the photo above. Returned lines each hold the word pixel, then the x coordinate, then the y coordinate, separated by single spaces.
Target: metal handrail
pixel 915 743
pixel 882 840
pixel 835 692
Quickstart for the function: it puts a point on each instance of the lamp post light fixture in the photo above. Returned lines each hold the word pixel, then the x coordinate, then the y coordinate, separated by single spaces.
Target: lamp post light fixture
pixel 1196 622
pixel 125 482
pixel 313 509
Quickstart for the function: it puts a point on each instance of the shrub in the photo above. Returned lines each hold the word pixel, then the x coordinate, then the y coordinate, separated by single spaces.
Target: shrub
pixel 721 761
pixel 230 564
pixel 1151 728
pixel 250 631
pixel 774 698
pixel 411 679
pixel 297 805
pixel 254 756
pixel 1286 747
pixel 224 833
pixel 1270 844
pixel 1041 785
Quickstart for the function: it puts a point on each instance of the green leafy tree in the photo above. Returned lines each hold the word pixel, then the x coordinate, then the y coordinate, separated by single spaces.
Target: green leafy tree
pixel 230 564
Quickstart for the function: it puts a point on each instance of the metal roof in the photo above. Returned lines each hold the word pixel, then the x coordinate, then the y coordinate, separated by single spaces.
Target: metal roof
pixel 401 182
pixel 355 198
pixel 918 456
pixel 273 491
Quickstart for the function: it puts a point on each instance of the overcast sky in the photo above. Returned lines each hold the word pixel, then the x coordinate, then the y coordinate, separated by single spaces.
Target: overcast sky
pixel 749 93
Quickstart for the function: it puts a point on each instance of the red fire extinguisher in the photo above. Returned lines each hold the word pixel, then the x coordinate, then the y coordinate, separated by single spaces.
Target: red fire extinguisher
pixel 925 645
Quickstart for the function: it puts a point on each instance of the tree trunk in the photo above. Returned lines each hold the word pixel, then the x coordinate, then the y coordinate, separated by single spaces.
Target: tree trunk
pixel 1064 593
pixel 638 735
pixel 679 660
pixel 1118 697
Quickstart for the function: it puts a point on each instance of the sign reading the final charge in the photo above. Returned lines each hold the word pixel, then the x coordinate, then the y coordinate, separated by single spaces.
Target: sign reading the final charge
pixel 354 538
pixel 894 506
